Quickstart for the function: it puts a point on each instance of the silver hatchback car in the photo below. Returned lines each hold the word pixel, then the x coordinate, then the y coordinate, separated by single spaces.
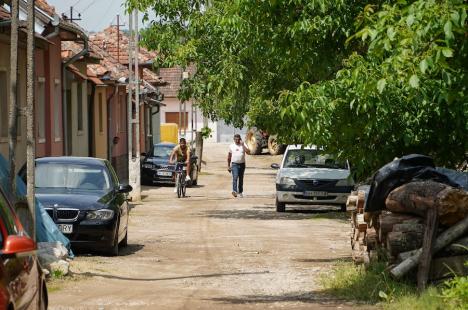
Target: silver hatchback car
pixel 309 177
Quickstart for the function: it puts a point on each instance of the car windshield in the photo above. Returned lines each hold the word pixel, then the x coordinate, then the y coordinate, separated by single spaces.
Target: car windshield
pixel 311 158
pixel 163 151
pixel 72 177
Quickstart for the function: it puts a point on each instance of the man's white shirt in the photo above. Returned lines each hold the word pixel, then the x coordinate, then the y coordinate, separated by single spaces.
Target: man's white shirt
pixel 237 153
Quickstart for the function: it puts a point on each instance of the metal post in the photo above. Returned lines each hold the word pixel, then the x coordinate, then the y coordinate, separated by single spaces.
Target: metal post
pixel 129 108
pixel 13 111
pixel 137 188
pixel 30 139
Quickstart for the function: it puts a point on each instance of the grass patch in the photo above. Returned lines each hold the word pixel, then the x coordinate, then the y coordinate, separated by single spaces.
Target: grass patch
pixel 370 285
pixel 373 285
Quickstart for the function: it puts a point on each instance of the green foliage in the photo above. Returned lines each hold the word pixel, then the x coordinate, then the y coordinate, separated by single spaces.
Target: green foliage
pixel 367 80
pixel 206 132
pixel 369 285
pixel 455 293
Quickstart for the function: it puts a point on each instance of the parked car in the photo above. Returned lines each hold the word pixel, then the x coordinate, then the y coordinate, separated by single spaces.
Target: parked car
pixel 309 177
pixel 22 283
pixel 155 167
pixel 85 199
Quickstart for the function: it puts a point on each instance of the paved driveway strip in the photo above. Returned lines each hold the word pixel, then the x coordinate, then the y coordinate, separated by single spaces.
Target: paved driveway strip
pixel 212 251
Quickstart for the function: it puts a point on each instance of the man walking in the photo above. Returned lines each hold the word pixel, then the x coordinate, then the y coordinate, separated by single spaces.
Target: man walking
pixel 236 165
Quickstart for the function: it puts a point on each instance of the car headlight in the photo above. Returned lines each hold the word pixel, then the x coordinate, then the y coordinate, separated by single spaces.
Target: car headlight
pixel 100 215
pixel 287 182
pixel 148 166
pixel 345 182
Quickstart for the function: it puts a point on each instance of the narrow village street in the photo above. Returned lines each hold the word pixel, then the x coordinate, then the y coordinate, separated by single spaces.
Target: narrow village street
pixel 213 251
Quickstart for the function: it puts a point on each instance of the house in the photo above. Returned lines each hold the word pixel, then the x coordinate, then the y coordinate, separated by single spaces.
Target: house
pixel 115 44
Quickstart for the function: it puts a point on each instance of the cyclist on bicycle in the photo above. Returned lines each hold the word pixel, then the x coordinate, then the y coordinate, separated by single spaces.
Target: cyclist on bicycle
pixel 181 155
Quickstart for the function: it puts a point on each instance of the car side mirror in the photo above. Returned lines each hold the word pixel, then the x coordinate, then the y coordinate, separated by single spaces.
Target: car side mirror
pixel 275 166
pixel 18 245
pixel 125 188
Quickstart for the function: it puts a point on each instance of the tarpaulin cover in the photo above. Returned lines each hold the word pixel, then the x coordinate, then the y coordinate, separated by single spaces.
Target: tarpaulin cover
pixel 398 172
pixel 46 230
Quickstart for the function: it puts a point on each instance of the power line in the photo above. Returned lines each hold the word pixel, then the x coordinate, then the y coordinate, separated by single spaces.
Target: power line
pixel 100 22
pixel 76 2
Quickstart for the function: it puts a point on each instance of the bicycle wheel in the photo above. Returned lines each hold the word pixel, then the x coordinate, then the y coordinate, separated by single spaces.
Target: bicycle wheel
pixel 184 184
pixel 179 186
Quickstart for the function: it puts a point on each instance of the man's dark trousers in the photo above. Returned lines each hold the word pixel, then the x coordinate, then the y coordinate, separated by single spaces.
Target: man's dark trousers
pixel 238 176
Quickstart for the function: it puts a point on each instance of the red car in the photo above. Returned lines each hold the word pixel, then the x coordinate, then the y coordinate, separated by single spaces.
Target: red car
pixel 22 283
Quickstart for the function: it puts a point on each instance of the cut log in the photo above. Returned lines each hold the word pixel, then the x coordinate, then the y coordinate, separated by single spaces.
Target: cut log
pixel 398 241
pixel 451 203
pixel 351 203
pixel 446 238
pixel 409 226
pixel 361 224
pixel 460 246
pixel 388 219
pixel 361 201
pixel 371 239
pixel 426 254
pixel 444 267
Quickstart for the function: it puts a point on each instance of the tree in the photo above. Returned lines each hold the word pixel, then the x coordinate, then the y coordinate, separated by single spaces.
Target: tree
pixel 367 80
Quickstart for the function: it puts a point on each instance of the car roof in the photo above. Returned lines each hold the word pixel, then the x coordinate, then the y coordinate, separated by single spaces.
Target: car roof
pixel 73 160
pixel 165 144
pixel 300 147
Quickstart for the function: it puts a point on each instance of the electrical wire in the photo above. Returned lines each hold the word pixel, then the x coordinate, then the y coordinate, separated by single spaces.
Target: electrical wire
pixel 100 23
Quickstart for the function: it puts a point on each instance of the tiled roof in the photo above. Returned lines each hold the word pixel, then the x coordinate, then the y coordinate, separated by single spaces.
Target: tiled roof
pixel 173 78
pixel 4 14
pixel 151 77
pixel 43 5
pixel 107 65
pixel 71 48
pixel 107 41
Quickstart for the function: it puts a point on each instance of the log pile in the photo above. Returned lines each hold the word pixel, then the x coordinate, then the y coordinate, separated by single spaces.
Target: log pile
pixel 425 224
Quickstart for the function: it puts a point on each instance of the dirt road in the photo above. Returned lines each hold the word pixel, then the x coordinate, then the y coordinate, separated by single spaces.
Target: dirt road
pixel 211 251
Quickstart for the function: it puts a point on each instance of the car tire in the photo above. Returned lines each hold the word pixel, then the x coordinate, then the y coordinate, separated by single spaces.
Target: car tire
pixel 274 148
pixel 253 139
pixel 124 241
pixel 114 249
pixel 280 206
pixel 43 301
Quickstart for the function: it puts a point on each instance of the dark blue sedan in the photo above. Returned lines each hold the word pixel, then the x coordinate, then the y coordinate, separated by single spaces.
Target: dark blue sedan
pixel 85 199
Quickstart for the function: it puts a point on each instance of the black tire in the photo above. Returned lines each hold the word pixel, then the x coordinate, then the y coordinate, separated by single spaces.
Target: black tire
pixel 179 185
pixel 43 302
pixel 114 249
pixel 124 241
pixel 280 206
pixel 253 139
pixel 274 148
pixel 183 186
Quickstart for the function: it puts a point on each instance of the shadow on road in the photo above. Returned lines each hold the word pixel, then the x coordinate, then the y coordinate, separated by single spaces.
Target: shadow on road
pixel 305 297
pixel 214 275
pixel 322 260
pixel 256 214
pixel 130 249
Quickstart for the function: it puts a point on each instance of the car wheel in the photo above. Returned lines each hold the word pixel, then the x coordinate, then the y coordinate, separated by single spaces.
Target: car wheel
pixel 280 206
pixel 124 241
pixel 43 301
pixel 114 249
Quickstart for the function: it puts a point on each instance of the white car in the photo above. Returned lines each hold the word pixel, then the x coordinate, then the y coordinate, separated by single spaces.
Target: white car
pixel 309 177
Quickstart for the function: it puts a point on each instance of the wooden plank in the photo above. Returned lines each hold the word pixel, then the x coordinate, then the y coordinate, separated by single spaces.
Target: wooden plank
pixel 426 255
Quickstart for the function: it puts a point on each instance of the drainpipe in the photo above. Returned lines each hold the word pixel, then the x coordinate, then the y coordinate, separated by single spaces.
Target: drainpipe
pixel 110 139
pixel 83 52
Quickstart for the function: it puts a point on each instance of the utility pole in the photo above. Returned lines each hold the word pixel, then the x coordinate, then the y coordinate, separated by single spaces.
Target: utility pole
pixel 13 110
pixel 118 37
pixel 71 19
pixel 30 136
pixel 133 153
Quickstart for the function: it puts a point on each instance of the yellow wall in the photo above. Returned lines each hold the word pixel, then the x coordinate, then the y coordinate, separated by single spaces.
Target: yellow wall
pixel 100 123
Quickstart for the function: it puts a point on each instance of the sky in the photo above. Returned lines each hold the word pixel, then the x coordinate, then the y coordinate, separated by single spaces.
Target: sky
pixel 95 14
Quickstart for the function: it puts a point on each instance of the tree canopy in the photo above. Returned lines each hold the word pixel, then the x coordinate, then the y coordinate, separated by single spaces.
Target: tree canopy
pixel 367 80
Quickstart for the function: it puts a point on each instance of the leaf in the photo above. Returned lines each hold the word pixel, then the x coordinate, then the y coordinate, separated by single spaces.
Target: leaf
pixel 448 30
pixel 414 81
pixel 381 85
pixel 410 20
pixel 423 66
pixel 383 295
pixel 447 52
pixel 391 33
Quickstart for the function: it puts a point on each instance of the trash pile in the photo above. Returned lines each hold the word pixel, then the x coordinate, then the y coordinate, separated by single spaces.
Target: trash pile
pixel 412 215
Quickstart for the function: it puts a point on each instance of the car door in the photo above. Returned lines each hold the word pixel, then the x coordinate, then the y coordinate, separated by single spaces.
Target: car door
pixel 20 272
pixel 120 201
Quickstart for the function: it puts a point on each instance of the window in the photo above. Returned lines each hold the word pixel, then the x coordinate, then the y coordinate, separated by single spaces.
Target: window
pixel 40 112
pixel 7 216
pixel 173 117
pixel 79 102
pixel 101 114
pixel 307 158
pixel 56 98
pixel 3 104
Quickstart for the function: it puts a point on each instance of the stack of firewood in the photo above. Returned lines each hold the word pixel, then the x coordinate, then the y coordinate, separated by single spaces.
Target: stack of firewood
pixel 425 224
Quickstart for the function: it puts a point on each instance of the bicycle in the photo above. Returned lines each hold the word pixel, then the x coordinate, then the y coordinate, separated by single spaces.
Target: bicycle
pixel 181 172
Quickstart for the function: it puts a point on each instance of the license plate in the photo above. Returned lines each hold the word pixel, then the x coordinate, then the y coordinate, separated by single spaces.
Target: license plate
pixel 164 173
pixel 315 194
pixel 65 228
